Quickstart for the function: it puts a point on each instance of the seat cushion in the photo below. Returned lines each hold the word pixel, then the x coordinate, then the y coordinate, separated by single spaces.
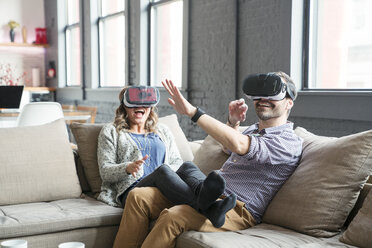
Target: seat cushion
pixel 322 191
pixel 37 164
pixel 48 217
pixel 262 236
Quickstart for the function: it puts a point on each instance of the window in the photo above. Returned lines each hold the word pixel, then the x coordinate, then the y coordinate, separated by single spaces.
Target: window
pixel 166 41
pixel 111 43
pixel 339 44
pixel 72 36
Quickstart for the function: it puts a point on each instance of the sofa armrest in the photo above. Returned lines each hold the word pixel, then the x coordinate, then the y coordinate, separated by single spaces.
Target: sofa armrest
pixel 195 145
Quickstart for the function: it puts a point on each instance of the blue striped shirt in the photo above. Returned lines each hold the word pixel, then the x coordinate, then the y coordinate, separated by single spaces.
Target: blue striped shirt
pixel 255 177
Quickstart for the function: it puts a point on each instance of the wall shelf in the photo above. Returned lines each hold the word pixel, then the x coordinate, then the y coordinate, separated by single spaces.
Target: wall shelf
pixel 16 44
pixel 40 88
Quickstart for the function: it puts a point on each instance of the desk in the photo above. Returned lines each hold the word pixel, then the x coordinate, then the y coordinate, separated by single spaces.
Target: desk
pixel 10 119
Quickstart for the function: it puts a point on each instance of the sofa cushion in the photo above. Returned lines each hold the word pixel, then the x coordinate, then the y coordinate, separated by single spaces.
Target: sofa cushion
pixel 181 141
pixel 56 216
pixel 359 232
pixel 37 164
pixel 210 156
pixel 262 235
pixel 86 136
pixel 322 191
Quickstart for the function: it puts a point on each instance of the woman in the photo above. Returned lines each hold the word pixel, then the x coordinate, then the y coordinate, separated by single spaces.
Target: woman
pixel 135 151
pixel 134 145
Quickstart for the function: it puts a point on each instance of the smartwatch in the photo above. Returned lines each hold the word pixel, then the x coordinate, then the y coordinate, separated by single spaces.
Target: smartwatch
pixel 199 112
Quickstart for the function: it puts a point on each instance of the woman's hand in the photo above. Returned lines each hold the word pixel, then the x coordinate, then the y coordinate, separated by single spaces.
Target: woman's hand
pixel 135 166
pixel 177 101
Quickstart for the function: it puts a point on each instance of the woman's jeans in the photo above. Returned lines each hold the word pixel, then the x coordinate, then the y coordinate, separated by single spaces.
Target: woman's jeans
pixel 180 187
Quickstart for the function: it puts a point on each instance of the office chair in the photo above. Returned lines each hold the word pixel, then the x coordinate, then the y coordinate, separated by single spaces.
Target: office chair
pixel 38 113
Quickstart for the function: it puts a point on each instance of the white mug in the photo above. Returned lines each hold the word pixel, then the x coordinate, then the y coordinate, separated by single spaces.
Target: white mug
pixel 14 243
pixel 71 245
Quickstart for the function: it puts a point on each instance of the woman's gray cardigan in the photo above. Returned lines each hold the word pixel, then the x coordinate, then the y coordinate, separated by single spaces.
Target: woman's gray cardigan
pixel 114 153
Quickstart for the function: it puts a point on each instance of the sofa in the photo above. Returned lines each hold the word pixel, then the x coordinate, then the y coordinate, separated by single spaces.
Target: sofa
pixel 49 189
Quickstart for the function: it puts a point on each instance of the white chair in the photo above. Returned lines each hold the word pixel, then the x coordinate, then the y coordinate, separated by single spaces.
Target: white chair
pixel 38 113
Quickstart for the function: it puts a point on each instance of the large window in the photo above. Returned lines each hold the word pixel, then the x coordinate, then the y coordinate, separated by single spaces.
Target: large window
pixel 166 41
pixel 111 26
pixel 339 44
pixel 72 35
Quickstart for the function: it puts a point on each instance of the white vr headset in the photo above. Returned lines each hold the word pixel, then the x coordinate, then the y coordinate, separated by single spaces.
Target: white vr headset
pixel 141 96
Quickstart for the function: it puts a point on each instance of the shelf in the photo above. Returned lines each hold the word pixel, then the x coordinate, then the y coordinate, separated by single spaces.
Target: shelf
pixel 15 44
pixel 40 89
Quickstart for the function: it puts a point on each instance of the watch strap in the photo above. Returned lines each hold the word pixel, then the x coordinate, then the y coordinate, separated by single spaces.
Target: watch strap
pixel 199 112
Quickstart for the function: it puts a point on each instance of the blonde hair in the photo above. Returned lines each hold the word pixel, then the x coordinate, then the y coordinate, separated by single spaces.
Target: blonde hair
pixel 122 121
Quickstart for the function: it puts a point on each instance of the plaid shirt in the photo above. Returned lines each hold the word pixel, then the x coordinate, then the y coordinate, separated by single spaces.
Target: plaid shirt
pixel 255 177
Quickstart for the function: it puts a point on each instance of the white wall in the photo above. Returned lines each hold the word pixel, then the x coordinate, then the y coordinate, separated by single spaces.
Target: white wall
pixel 30 14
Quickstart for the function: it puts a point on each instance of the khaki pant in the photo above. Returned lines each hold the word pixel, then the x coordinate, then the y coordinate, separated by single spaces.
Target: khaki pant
pixel 146 204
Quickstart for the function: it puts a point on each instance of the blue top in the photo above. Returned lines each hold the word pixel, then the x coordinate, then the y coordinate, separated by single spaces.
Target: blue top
pixel 256 176
pixel 151 145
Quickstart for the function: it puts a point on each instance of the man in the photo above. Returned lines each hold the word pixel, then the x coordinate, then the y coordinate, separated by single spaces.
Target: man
pixel 261 159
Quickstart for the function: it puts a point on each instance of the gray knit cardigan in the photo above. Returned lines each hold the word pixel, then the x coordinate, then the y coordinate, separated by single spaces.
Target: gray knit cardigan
pixel 114 153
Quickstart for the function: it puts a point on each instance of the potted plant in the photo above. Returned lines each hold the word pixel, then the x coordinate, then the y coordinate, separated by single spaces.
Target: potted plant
pixel 12 25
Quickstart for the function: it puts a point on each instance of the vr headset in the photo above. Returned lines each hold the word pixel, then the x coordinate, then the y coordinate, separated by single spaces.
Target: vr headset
pixel 141 96
pixel 267 86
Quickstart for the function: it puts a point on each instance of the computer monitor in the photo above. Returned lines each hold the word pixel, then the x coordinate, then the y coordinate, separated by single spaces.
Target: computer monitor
pixel 10 96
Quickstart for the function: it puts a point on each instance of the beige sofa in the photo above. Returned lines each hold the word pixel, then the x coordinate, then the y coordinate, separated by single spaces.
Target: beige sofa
pixel 48 195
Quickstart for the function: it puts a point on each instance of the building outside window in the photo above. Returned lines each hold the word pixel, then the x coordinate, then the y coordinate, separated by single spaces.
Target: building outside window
pixel 111 25
pixel 72 36
pixel 166 43
pixel 339 36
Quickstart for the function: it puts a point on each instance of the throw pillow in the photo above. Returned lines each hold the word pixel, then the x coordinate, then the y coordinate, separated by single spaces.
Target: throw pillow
pixel 86 136
pixel 210 156
pixel 359 232
pixel 37 164
pixel 320 194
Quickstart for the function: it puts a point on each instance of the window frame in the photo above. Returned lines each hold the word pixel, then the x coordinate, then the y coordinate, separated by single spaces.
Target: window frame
pixel 306 51
pixel 100 21
pixel 69 27
pixel 185 35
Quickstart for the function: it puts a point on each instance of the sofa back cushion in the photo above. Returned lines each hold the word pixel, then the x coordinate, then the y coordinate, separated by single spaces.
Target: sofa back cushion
pixel 322 191
pixel 86 136
pixel 37 164
pixel 359 232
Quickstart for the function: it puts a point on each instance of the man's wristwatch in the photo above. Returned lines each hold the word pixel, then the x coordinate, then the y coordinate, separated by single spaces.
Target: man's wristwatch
pixel 199 112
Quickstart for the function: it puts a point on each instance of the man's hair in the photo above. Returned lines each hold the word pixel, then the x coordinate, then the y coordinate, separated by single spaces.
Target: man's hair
pixel 288 80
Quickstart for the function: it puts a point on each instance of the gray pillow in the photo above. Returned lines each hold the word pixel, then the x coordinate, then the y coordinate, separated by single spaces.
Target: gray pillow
pixel 359 232
pixel 322 191
pixel 37 164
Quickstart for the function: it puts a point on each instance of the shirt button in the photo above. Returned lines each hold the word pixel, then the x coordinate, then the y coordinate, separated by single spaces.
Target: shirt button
pixel 234 160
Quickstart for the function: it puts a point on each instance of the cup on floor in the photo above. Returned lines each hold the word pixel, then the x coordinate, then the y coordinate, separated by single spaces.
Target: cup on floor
pixel 14 243
pixel 72 245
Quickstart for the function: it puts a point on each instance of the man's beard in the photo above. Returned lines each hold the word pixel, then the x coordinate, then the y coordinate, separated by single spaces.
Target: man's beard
pixel 266 115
